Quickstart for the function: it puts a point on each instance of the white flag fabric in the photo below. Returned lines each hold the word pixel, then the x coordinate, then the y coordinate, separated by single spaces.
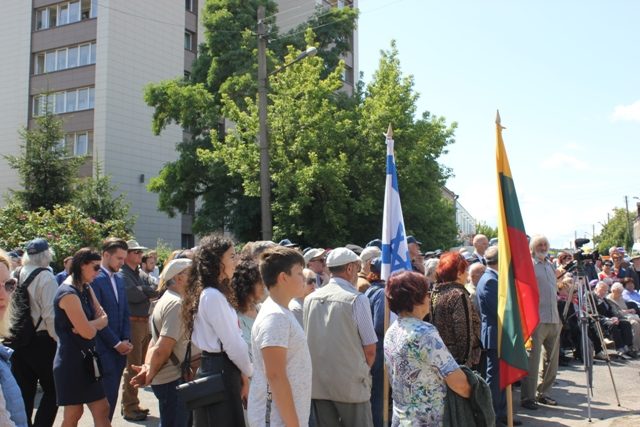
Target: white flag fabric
pixel 395 251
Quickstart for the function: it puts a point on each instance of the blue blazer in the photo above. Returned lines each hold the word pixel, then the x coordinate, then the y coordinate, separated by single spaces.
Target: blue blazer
pixel 117 311
pixel 487 293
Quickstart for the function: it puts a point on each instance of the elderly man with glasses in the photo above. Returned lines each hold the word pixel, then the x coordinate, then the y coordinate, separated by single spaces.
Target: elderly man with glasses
pixel 139 290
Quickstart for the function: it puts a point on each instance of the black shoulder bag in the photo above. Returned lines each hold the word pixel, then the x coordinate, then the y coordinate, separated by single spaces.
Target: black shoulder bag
pixel 203 391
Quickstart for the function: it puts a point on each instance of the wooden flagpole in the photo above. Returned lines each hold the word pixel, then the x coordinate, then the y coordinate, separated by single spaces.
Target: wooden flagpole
pixel 509 406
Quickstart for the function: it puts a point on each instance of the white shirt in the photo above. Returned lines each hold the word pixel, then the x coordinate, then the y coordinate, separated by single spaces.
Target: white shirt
pixel 217 322
pixel 113 281
pixel 276 326
pixel 42 291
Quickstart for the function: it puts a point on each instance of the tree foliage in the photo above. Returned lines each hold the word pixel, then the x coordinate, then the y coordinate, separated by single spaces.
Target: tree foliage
pixel 226 64
pixel 616 231
pixel 97 197
pixel 66 228
pixel 484 228
pixel 47 172
pixel 390 98
pixel 327 161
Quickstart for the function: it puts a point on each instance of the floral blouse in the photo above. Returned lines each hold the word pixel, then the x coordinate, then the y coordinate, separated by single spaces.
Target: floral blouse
pixel 417 361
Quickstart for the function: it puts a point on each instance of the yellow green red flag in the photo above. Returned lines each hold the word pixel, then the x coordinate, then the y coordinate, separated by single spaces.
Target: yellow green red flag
pixel 517 287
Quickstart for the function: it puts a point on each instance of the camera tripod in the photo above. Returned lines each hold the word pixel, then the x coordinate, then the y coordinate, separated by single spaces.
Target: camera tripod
pixel 587 312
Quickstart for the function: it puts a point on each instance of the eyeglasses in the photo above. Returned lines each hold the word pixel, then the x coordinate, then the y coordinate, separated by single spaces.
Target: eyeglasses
pixel 10 285
pixel 96 267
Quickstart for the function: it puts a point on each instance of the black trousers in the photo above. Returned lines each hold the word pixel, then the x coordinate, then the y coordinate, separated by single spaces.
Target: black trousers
pixel 31 364
pixel 621 333
pixel 228 413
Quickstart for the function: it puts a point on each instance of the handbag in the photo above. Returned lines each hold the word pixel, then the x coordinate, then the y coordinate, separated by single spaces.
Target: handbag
pixel 200 392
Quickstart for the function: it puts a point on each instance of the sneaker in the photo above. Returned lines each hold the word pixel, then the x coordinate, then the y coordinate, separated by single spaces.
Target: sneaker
pixel 546 400
pixel 632 354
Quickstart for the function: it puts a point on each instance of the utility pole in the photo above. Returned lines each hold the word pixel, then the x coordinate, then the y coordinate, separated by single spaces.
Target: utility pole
pixel 265 178
pixel 626 218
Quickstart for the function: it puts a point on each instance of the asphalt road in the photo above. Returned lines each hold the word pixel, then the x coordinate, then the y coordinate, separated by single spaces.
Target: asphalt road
pixel 569 391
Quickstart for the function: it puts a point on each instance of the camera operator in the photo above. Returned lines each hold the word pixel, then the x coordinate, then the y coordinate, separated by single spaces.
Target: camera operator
pixel 612 321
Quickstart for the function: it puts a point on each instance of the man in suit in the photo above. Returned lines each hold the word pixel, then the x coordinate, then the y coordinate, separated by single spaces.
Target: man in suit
pixel 487 293
pixel 112 342
pixel 480 245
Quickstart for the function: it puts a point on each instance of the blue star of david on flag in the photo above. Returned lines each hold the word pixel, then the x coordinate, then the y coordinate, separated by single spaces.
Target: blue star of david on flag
pixel 395 251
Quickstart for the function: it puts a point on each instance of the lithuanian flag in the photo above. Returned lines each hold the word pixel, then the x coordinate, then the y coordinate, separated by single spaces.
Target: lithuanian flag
pixel 517 286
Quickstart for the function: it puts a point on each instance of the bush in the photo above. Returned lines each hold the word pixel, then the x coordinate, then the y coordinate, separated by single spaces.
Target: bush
pixel 66 228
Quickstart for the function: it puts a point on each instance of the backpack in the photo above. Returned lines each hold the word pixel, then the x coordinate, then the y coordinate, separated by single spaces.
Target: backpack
pixel 23 331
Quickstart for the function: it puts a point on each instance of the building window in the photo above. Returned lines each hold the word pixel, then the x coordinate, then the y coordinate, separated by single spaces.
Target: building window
pixel 81 144
pixel 188 5
pixel 61 59
pixel 65 102
pixel 188 40
pixel 188 241
pixel 347 74
pixel 65 13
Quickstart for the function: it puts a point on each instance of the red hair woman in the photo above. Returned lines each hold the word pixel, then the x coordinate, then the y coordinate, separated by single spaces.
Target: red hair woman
pixel 453 313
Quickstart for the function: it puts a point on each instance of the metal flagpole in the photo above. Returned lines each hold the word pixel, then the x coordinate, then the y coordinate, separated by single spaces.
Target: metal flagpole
pixel 385 380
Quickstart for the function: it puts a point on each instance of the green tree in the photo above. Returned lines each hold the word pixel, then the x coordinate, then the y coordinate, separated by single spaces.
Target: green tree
pixel 328 155
pixel 390 98
pixel 226 64
pixel 47 172
pixel 309 148
pixel 96 197
pixel 483 228
pixel 616 231
pixel 66 228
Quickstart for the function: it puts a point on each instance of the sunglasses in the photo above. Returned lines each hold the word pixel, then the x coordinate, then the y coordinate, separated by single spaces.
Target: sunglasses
pixel 10 285
pixel 96 267
pixel 322 260
pixel 138 252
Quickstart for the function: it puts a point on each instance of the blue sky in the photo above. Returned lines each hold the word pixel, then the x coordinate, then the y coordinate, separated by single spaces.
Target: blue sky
pixel 566 78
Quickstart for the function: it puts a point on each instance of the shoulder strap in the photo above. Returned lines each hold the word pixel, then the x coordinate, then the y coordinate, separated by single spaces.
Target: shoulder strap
pixel 32 276
pixel 28 281
pixel 172 356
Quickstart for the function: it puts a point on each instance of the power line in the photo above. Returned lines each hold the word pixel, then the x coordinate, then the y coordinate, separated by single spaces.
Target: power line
pixel 172 24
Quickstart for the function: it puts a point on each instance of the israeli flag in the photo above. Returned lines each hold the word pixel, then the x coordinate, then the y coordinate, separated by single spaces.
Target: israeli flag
pixel 395 251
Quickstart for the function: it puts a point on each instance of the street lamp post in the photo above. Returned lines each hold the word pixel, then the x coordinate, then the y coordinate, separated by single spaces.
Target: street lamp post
pixel 263 137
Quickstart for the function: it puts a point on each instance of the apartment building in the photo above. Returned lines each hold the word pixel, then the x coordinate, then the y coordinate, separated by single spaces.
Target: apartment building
pixel 293 12
pixel 89 61
pixel 93 58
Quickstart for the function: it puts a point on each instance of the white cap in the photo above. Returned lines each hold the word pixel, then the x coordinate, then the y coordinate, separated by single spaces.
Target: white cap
pixel 370 252
pixel 341 256
pixel 174 267
pixel 312 253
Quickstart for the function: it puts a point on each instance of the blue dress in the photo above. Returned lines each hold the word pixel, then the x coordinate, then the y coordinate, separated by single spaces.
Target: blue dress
pixel 73 384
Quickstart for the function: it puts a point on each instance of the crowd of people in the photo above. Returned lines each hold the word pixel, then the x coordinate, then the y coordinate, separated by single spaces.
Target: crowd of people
pixel 283 336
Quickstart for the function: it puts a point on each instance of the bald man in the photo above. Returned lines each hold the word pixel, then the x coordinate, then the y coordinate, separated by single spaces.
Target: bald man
pixel 480 245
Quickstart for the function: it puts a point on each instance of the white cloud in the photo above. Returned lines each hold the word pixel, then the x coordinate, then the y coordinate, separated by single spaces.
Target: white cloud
pixel 561 160
pixel 627 112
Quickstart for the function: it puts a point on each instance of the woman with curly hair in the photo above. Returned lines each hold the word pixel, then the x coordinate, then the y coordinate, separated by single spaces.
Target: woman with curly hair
pixel 249 292
pixel 208 311
pixel 452 312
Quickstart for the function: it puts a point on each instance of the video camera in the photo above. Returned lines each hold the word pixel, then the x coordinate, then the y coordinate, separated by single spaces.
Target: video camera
pixel 579 256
